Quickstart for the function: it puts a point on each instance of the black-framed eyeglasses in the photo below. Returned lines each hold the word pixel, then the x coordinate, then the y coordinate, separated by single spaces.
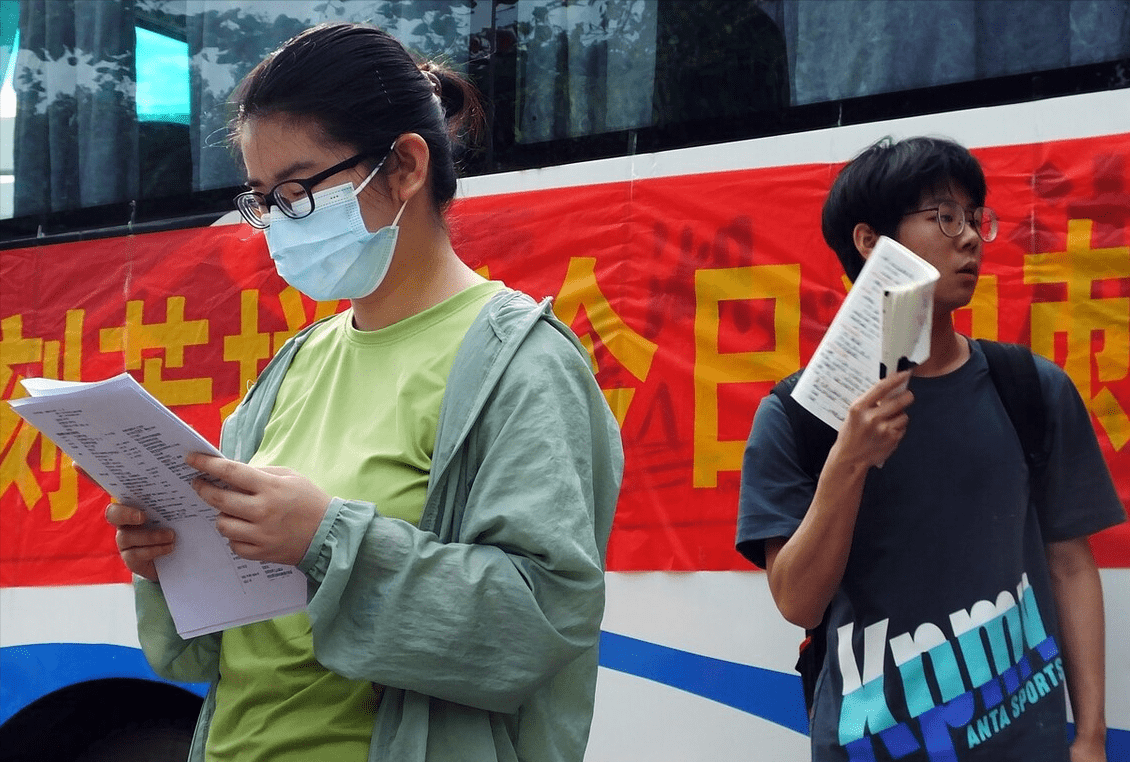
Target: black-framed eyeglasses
pixel 951 219
pixel 295 198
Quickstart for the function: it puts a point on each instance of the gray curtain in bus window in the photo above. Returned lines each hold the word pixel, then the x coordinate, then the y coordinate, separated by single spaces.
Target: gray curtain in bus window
pixel 77 134
pixel 585 67
pixel 226 38
pixel 851 48
pixel 76 124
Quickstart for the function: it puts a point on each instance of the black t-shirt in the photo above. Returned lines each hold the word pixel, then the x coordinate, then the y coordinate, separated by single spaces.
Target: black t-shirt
pixel 943 638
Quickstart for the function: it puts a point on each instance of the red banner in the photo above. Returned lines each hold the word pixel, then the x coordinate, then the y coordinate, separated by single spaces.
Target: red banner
pixel 694 294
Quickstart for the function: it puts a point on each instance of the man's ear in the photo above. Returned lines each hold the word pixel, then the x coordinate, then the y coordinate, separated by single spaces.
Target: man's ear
pixel 410 173
pixel 865 239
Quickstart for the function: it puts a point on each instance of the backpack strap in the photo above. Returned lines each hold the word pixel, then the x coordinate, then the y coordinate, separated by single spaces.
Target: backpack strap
pixel 813 437
pixel 1013 370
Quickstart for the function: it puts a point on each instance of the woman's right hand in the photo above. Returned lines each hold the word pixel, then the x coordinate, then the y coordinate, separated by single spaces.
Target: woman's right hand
pixel 138 543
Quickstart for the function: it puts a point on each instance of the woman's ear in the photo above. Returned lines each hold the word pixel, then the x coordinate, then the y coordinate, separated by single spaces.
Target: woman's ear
pixel 410 168
pixel 865 239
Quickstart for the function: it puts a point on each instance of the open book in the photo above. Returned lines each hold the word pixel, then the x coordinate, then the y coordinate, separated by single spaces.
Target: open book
pixel 135 447
pixel 882 326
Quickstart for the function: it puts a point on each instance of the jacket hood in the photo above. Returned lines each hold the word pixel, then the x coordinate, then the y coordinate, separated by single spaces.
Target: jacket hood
pixel 491 343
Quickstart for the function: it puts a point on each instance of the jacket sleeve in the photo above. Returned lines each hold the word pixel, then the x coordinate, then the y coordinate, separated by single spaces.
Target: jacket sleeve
pixel 171 656
pixel 518 592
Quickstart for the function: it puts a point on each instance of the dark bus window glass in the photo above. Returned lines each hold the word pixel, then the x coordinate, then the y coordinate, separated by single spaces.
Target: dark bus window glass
pixel 592 68
pixel 120 105
pixel 9 38
pixel 163 115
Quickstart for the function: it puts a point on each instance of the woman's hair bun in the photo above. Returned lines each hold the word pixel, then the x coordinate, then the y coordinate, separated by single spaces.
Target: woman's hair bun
pixel 462 105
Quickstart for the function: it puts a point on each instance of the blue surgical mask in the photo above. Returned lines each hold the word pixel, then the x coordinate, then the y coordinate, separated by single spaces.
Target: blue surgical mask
pixel 329 254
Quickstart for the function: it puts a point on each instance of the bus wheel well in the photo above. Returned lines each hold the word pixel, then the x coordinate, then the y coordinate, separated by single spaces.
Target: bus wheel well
pixel 68 724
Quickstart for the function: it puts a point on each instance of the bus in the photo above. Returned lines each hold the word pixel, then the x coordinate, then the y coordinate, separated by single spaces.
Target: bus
pixel 657 167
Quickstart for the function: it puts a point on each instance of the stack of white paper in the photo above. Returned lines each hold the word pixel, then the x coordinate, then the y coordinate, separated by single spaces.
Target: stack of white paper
pixel 135 447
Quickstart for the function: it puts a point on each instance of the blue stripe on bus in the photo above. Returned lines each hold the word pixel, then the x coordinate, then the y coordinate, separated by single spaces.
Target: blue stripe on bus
pixel 764 693
pixel 34 671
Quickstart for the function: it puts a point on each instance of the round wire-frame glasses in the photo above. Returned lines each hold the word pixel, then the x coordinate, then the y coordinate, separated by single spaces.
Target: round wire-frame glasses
pixel 951 219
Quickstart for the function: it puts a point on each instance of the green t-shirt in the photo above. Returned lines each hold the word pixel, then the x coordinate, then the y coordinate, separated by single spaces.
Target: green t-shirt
pixel 356 414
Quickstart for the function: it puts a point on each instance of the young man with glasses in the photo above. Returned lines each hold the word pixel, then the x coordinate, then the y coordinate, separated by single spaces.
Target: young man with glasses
pixel 957 600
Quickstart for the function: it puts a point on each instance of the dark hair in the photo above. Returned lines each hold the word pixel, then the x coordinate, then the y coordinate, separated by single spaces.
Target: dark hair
pixel 364 89
pixel 885 181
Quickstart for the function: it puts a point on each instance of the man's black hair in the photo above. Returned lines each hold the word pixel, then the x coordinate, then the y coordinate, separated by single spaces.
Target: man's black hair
pixel 886 181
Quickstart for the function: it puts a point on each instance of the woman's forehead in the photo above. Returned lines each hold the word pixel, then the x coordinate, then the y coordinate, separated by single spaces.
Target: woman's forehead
pixel 274 147
pixel 277 131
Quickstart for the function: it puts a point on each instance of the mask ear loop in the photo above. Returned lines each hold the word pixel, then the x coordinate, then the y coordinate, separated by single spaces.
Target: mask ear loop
pixel 373 174
pixel 376 169
pixel 365 182
pixel 396 219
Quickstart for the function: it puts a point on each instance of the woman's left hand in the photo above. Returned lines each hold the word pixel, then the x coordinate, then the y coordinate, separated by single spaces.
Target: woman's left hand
pixel 266 514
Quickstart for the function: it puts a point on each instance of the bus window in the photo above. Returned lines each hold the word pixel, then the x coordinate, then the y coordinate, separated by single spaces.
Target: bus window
pixel 146 83
pixel 162 78
pixel 9 41
pixel 164 152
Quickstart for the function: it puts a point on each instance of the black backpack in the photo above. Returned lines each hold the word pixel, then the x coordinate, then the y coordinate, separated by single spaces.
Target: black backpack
pixel 1014 375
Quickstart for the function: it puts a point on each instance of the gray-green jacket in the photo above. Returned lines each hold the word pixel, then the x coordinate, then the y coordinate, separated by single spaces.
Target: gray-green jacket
pixel 482 623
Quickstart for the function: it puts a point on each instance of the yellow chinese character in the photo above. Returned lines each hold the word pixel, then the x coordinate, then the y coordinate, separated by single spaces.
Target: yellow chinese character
pixel 248 347
pixel 629 348
pixel 172 336
pixel 251 345
pixel 19 438
pixel 780 283
pixel 1080 316
pixel 294 312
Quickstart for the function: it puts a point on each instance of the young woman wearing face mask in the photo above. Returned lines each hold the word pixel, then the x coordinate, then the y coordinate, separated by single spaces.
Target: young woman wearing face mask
pixel 437 459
